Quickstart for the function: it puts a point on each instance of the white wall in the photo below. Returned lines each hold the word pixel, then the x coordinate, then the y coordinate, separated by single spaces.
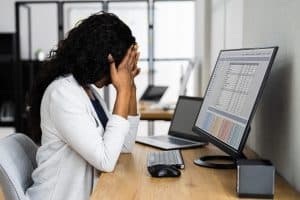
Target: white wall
pixel 7 16
pixel 276 132
pixel 257 23
pixel 202 45
pixel 227 26
pixel 217 29
pixel 220 25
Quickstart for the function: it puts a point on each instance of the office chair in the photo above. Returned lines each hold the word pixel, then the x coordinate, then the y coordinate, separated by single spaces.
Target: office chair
pixel 17 161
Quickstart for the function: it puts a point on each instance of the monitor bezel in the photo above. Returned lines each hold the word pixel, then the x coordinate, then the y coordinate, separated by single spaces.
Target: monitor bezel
pixel 237 153
pixel 182 134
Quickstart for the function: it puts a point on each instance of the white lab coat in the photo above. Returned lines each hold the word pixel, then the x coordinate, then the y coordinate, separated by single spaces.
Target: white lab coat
pixel 74 144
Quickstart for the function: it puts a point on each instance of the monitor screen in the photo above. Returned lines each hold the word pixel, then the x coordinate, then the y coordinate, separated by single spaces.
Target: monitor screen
pixel 184 117
pixel 232 94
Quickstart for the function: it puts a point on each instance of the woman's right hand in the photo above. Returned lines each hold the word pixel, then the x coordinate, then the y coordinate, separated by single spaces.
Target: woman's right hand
pixel 121 77
pixel 122 80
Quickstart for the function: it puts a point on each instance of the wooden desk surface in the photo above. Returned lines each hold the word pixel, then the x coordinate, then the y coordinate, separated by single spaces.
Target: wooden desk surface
pixel 148 113
pixel 130 180
pixel 156 115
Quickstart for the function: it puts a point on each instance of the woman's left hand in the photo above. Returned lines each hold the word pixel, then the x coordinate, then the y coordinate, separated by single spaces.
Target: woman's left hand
pixel 135 69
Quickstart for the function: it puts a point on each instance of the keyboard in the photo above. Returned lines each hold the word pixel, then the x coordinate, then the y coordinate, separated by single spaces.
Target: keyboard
pixel 172 157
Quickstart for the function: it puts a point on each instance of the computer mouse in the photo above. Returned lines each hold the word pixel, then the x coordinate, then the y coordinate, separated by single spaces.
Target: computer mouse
pixel 164 171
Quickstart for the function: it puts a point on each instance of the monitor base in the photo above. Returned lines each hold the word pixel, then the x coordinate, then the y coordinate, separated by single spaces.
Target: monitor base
pixel 205 161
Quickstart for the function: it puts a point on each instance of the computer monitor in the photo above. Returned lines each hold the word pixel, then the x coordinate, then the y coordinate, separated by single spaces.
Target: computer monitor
pixel 231 98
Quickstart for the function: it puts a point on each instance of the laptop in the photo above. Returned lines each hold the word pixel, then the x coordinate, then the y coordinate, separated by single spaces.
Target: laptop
pixel 180 133
pixel 153 93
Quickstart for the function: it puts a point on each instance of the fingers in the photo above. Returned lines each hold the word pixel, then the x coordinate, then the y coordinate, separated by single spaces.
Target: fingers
pixel 139 71
pixel 135 72
pixel 121 78
pixel 112 65
pixel 124 62
pixel 110 59
pixel 136 60
pixel 137 57
pixel 132 57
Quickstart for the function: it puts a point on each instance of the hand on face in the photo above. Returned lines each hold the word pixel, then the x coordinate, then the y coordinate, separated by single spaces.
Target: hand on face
pixel 123 77
pixel 135 69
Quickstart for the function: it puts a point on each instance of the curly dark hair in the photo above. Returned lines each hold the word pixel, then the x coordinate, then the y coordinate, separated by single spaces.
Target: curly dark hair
pixel 84 54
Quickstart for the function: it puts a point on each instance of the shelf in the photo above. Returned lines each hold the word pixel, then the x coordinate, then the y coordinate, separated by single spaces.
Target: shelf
pixel 7 124
pixel 7 79
pixel 32 62
pixel 6 58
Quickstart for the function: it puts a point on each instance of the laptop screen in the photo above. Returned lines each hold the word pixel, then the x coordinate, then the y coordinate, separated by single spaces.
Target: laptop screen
pixel 184 117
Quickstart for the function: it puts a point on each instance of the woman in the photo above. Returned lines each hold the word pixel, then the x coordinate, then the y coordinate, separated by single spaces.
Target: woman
pixel 78 135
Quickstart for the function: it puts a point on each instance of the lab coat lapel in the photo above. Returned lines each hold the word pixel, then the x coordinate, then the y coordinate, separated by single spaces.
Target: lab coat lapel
pixel 87 101
pixel 101 100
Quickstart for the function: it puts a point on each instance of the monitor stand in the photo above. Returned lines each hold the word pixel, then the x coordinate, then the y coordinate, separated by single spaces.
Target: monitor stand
pixel 219 161
pixel 216 162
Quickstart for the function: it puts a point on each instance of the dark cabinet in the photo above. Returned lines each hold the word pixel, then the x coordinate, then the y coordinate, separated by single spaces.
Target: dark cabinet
pixel 7 79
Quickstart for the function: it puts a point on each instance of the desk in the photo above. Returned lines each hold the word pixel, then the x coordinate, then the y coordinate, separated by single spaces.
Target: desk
pixel 148 113
pixel 156 114
pixel 130 180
